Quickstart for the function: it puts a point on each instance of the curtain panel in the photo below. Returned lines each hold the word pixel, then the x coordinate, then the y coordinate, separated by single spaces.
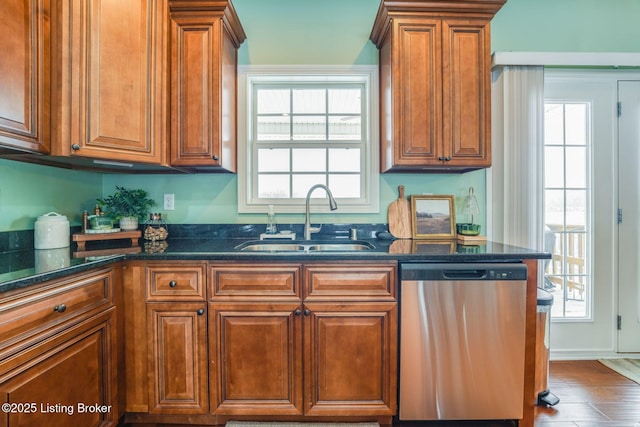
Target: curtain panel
pixel 515 182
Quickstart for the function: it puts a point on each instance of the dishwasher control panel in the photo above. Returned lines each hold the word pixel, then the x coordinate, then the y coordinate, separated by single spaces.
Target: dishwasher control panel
pixel 462 271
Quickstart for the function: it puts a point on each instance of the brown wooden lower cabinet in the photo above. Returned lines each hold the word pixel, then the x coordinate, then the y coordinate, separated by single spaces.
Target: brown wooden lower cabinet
pixel 348 355
pixel 58 362
pixel 269 341
pixel 67 384
pixel 178 358
pixel 256 353
pixel 326 349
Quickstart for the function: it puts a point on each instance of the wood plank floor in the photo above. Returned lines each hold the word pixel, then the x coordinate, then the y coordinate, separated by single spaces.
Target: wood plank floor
pixel 591 395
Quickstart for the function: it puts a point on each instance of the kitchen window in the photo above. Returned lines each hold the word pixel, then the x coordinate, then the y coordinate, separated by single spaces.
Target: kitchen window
pixel 301 126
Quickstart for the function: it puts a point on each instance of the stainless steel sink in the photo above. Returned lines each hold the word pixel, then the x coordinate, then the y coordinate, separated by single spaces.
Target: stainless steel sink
pixel 298 247
pixel 271 247
pixel 339 247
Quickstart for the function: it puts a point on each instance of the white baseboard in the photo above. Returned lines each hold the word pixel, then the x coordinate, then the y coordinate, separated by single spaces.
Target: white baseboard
pixel 589 355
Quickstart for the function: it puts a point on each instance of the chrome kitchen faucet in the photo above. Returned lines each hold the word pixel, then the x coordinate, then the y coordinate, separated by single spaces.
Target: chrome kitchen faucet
pixel 308 229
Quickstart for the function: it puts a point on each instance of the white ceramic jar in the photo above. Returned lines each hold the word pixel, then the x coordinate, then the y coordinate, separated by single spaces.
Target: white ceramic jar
pixel 51 231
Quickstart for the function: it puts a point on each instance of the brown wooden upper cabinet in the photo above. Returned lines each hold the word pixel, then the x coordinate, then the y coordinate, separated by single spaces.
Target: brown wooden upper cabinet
pixel 435 84
pixel 205 37
pixel 25 66
pixel 110 80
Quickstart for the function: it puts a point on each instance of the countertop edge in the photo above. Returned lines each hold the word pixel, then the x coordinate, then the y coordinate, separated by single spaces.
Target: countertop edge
pixel 229 253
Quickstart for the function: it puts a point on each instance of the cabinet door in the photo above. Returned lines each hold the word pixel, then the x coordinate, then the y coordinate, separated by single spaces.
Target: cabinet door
pixel 177 358
pixel 466 87
pixel 115 83
pixel 411 76
pixel 25 66
pixel 203 86
pixel 195 91
pixel 350 358
pixel 256 358
pixel 70 380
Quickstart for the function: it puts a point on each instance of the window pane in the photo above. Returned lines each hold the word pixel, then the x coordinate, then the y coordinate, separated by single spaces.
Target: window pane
pixel 294 120
pixel 576 208
pixel 574 305
pixel 554 208
pixel 273 101
pixel 345 185
pixel 309 160
pixel 273 186
pixel 345 128
pixel 576 167
pixel 554 124
pixel 554 167
pixel 576 124
pixel 274 128
pixel 302 184
pixel 309 127
pixel 345 101
pixel 273 160
pixel 309 101
pixel 344 160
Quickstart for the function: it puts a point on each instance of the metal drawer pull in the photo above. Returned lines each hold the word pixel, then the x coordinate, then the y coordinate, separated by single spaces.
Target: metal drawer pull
pixel 200 312
pixel 173 284
pixel 61 308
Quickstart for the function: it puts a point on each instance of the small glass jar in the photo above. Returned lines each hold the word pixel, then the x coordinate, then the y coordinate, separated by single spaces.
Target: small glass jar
pixel 156 228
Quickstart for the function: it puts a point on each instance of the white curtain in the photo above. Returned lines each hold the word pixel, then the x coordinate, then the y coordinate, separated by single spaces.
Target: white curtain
pixel 515 182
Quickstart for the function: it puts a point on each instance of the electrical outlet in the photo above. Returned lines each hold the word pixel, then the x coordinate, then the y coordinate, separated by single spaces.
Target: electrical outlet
pixel 169 200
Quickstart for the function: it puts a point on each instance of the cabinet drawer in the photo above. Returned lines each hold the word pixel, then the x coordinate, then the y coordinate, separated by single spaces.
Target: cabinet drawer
pixel 350 281
pixel 255 280
pixel 176 282
pixel 27 313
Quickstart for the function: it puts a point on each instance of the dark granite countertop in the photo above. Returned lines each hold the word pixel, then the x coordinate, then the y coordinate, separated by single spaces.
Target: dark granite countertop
pixel 26 267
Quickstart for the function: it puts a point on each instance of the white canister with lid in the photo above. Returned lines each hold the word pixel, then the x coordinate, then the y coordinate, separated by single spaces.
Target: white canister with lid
pixel 51 231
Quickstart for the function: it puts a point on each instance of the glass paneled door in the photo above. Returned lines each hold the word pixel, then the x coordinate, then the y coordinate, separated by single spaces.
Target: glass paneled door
pixel 580 203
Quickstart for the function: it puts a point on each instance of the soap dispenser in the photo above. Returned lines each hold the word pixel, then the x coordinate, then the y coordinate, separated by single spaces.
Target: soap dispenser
pixel 271 221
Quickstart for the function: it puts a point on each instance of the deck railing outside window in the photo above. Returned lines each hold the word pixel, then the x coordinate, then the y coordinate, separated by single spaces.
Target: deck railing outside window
pixel 566 274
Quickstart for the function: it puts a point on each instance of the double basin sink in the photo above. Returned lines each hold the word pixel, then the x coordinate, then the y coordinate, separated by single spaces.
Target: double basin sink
pixel 304 246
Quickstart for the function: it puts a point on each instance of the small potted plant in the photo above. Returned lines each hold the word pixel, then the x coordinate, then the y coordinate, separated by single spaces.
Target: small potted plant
pixel 126 206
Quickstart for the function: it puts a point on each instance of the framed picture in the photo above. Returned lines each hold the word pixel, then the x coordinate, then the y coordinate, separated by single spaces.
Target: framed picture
pixel 433 217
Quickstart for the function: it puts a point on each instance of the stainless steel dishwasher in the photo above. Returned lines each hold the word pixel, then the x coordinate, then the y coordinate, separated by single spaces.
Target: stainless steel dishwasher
pixel 462 337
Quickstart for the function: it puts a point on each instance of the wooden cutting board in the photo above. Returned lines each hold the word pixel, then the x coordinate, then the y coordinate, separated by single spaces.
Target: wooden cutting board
pixel 399 216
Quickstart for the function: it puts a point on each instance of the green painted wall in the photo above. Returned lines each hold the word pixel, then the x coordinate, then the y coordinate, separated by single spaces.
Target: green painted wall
pixel 319 32
pixel 567 25
pixel 27 191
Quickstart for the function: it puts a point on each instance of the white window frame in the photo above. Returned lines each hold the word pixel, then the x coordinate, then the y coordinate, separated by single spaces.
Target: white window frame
pixel 248 201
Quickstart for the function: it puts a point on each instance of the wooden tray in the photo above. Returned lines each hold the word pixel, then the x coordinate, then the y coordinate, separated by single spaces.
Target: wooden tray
pixel 82 238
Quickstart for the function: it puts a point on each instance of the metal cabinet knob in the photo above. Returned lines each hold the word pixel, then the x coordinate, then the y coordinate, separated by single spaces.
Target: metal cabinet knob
pixel 298 312
pixel 75 147
pixel 215 157
pixel 307 312
pixel 173 284
pixel 60 308
pixel 200 311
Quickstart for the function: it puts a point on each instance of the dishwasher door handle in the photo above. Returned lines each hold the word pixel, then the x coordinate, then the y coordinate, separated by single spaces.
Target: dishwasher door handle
pixel 464 274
